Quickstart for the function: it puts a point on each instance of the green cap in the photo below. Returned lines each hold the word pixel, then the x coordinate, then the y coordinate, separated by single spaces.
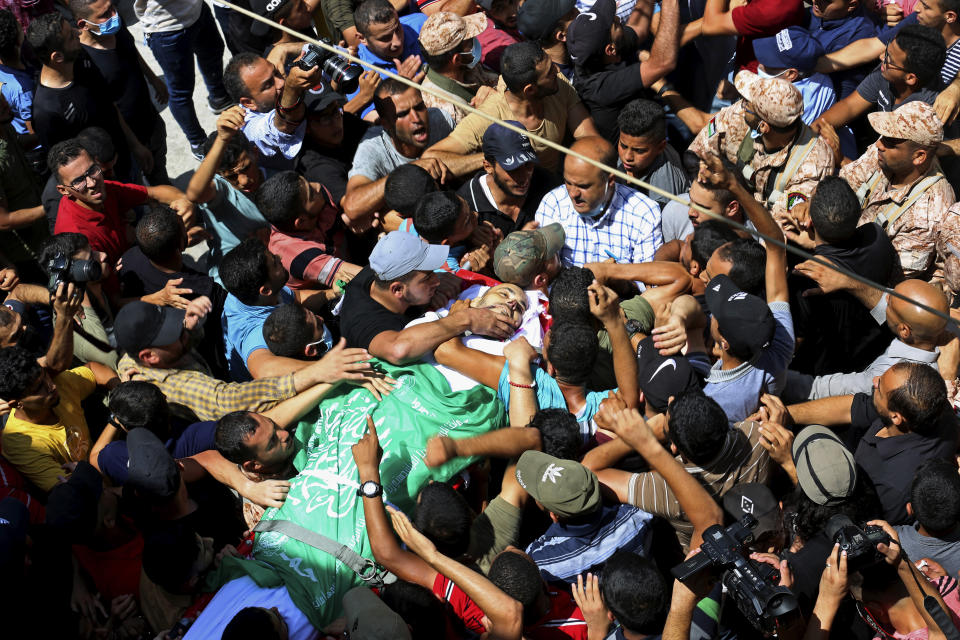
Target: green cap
pixel 564 487
pixel 522 254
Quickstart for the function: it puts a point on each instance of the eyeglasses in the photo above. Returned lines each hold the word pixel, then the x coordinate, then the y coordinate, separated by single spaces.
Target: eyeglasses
pixel 891 143
pixel 886 60
pixel 80 183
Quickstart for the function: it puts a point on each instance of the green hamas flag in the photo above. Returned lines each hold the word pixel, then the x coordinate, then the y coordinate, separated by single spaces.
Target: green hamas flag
pixel 323 497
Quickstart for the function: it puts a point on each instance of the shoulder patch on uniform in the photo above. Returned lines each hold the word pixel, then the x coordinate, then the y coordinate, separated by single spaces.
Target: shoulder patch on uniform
pixel 712 126
pixel 794 198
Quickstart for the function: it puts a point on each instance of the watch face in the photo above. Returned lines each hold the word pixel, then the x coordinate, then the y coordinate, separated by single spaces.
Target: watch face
pixel 370 489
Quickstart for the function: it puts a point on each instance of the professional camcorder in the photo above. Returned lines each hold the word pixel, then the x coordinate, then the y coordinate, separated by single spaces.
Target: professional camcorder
pixel 340 72
pixel 752 584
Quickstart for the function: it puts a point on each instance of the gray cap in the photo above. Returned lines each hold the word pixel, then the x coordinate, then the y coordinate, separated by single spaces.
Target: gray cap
pixel 368 618
pixel 399 252
pixel 826 471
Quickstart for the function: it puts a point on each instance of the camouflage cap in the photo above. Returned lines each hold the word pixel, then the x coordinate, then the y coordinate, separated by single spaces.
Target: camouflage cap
pixel 915 121
pixel 564 487
pixel 775 101
pixel 522 254
pixel 444 31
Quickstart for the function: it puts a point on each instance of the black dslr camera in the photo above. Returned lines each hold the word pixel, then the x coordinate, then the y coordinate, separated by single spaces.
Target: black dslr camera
pixel 340 72
pixel 64 269
pixel 750 583
pixel 860 544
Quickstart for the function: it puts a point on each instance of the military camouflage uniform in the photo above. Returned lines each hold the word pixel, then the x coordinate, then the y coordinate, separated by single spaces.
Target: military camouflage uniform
pixel 726 132
pixel 922 233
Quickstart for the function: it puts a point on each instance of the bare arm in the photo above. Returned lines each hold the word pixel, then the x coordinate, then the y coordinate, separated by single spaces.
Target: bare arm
pixel 229 123
pixel 505 613
pixel 455 156
pixel 579 122
pixel 701 510
pixel 263 364
pixel 483 367
pixel 502 443
pixel 403 564
pixel 666 45
pixel 692 117
pixel 847 110
pixel 523 396
pixel 59 354
pixel 776 269
pixel 853 55
pixel 18 218
pixel 410 344
pixel 718 19
pixel 292 409
pixel 267 493
pixel 364 196
pixel 604 307
pixel 459 7
pixel 829 412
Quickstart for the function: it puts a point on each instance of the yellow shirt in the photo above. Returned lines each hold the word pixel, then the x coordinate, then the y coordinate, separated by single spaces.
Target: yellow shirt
pixel 38 450
pixel 556 109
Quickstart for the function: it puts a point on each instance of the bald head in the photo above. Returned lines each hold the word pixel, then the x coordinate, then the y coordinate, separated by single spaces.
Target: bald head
pixel 595 148
pixel 590 188
pixel 910 322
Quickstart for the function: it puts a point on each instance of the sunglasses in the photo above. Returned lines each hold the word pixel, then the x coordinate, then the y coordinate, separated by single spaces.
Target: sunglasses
pixel 891 143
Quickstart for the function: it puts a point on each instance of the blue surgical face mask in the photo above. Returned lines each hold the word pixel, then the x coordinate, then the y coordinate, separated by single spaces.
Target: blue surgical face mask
pixel 755 133
pixel 107 28
pixel 475 53
pixel 597 209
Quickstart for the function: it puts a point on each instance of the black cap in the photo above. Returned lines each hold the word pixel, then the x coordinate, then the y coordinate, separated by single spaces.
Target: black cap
pixel 590 31
pixel 267 9
pixel 757 500
pixel 72 505
pixel 319 97
pixel 510 149
pixel 140 324
pixel 660 376
pixel 743 319
pixel 536 18
pixel 14 518
pixel 151 468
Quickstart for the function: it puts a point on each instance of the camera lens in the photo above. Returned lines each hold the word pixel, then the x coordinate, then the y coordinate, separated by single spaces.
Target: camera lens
pixel 343 73
pixel 85 271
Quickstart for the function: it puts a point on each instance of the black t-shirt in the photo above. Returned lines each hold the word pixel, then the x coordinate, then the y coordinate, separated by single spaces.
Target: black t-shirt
pixel 329 167
pixel 892 462
pixel 240 35
pixel 541 182
pixel 140 278
pixel 606 92
pixel 361 317
pixel 838 333
pixel 59 114
pixel 126 85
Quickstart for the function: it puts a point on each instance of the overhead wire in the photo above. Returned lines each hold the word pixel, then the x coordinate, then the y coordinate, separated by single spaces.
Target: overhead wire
pixel 436 92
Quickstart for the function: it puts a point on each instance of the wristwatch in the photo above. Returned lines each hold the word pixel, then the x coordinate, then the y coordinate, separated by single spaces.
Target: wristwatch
pixel 370 489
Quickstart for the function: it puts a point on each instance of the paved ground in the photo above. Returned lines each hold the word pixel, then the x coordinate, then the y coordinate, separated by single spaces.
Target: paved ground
pixel 179 158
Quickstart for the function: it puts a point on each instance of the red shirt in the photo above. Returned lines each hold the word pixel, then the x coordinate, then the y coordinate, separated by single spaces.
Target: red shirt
pixel 459 604
pixel 115 572
pixel 759 18
pixel 563 621
pixel 106 230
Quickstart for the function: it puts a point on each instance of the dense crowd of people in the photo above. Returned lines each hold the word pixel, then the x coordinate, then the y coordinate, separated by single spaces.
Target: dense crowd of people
pixel 591 407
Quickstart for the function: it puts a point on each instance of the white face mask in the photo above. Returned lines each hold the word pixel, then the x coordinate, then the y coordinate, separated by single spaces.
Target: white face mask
pixel 763 74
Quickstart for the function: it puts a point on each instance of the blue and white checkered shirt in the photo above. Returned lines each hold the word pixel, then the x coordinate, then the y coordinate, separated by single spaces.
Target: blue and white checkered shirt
pixel 629 228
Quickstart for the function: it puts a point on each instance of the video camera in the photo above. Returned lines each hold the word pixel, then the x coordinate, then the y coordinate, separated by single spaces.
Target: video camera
pixel 860 544
pixel 64 269
pixel 750 583
pixel 336 70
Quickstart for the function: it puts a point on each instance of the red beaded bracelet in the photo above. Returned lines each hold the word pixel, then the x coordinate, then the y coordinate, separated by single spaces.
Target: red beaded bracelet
pixel 523 386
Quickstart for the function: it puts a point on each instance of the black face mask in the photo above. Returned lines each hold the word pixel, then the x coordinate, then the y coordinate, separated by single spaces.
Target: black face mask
pixel 628 45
